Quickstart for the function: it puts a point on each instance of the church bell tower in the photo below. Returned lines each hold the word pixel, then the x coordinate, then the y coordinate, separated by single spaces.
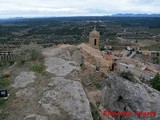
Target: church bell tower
pixel 94 37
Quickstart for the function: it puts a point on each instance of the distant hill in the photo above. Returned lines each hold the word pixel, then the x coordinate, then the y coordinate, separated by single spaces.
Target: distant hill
pixel 135 15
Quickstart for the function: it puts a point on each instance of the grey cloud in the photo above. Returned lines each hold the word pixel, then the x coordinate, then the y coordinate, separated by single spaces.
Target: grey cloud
pixel 76 7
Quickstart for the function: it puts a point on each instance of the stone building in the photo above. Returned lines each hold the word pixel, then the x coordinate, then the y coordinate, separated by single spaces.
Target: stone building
pixel 94 38
pixel 109 60
pixel 155 54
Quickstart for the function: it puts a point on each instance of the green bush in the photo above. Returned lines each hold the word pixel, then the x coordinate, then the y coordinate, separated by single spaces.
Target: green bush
pixel 38 68
pixel 6 63
pixel 2 102
pixel 155 82
pixel 4 82
pixel 95 113
pixel 27 53
pixel 98 85
pixel 127 75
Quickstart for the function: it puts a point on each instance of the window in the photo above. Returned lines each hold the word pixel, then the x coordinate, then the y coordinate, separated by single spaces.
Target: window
pixel 3 93
pixel 95 42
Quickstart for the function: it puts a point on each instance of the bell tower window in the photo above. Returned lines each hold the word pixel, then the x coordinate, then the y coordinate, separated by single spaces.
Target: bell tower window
pixel 95 41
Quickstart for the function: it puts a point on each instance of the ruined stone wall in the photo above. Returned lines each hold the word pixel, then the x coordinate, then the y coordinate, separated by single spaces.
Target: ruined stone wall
pixel 6 55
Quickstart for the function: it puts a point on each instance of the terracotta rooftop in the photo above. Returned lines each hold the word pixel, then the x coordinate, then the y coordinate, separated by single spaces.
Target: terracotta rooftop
pixel 107 57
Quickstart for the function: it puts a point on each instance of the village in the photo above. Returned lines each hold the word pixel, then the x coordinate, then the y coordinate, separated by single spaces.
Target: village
pixel 85 64
pixel 79 60
pixel 125 59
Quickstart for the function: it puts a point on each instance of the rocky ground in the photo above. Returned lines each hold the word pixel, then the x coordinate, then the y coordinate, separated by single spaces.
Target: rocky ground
pixel 58 97
pixel 70 84
pixel 120 94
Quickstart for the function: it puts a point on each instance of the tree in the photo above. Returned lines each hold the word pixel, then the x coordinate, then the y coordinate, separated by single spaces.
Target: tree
pixel 29 52
pixel 127 75
pixel 155 82
pixel 157 60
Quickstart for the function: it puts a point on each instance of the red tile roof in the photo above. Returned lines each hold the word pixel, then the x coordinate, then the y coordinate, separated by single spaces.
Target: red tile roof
pixel 107 57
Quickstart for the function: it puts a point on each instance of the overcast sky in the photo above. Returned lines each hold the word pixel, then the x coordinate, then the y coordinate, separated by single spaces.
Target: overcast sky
pixel 40 8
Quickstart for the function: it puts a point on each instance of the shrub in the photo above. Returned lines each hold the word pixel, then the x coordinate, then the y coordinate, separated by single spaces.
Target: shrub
pixel 6 73
pixel 155 82
pixel 95 113
pixel 4 82
pixel 2 102
pixel 127 75
pixel 38 68
pixel 29 52
pixel 98 85
pixel 6 63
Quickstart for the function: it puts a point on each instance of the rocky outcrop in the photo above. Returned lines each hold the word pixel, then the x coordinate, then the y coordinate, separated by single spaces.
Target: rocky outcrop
pixel 120 94
pixel 67 96
pixel 59 67
pixel 23 79
pixel 66 52
pixel 64 98
pixel 35 117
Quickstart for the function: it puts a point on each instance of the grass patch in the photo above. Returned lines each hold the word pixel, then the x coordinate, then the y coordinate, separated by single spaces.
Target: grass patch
pixel 26 53
pixel 5 63
pixel 155 82
pixel 127 75
pixel 45 73
pixel 2 102
pixel 38 68
pixel 95 113
pixel 98 85
pixel 3 116
pixel 4 82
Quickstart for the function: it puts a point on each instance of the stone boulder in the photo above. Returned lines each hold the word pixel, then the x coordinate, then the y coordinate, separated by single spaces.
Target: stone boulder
pixel 6 73
pixel 35 117
pixel 120 94
pixel 68 97
pixel 23 79
pixel 59 67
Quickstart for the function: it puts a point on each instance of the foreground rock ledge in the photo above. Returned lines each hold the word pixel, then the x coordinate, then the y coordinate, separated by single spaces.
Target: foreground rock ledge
pixel 120 93
pixel 66 95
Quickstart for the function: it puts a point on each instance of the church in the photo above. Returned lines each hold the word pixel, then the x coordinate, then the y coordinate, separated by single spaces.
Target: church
pixel 94 38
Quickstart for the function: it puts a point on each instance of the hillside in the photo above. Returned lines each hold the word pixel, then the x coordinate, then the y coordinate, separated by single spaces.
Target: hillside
pixel 65 85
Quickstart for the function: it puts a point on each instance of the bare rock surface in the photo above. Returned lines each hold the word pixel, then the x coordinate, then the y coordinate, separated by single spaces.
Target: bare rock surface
pixel 59 66
pixel 35 117
pixel 120 94
pixel 25 92
pixel 23 79
pixel 66 95
pixel 51 51
pixel 66 52
pixel 59 96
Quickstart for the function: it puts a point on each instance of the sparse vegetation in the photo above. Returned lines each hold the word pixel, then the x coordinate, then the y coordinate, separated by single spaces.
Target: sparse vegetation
pixel 6 63
pixel 98 85
pixel 95 113
pixel 156 60
pixel 29 52
pixel 127 75
pixel 155 82
pixel 102 49
pixel 49 31
pixel 38 68
pixel 4 82
pixel 2 102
